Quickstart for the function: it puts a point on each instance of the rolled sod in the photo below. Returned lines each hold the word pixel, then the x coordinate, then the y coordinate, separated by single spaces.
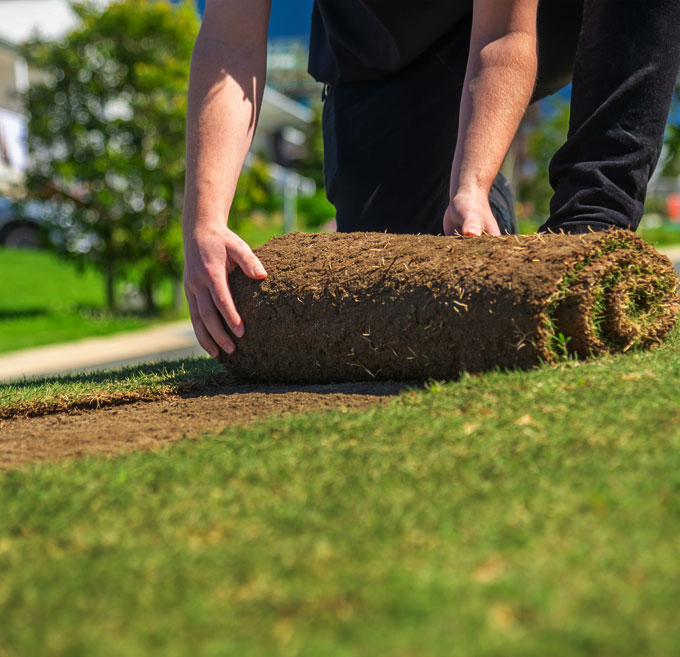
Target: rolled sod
pixel 363 306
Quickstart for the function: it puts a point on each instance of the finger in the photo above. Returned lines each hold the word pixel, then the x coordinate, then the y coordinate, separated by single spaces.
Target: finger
pixel 249 263
pixel 201 332
pixel 212 321
pixel 472 226
pixel 491 228
pixel 450 227
pixel 221 296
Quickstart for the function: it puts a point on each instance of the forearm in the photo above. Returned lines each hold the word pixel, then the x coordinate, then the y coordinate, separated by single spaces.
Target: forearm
pixel 498 86
pixel 225 94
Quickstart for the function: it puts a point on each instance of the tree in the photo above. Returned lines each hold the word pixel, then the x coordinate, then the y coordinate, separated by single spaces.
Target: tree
pixel 106 137
pixel 315 210
pixel 544 136
pixel 311 165
pixel 254 191
pixel 671 160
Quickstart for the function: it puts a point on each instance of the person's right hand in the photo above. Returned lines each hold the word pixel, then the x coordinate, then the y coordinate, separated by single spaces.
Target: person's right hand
pixel 470 214
pixel 210 255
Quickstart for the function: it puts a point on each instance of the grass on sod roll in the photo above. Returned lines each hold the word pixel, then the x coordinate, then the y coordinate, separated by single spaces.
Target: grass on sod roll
pixel 39 396
pixel 649 297
pixel 515 514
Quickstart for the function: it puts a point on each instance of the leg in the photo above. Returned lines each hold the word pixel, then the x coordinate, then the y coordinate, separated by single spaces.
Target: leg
pixel 626 67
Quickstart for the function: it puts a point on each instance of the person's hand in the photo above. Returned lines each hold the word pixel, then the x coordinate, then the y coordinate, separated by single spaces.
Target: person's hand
pixel 210 255
pixel 470 214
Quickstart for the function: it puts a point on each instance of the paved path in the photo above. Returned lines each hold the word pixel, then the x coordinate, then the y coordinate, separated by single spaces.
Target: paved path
pixel 673 253
pixel 164 342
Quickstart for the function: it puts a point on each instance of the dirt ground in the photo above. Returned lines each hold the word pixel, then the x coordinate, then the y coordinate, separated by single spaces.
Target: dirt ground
pixel 147 425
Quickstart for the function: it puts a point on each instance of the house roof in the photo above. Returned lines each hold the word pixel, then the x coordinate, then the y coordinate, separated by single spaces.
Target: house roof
pixel 287 107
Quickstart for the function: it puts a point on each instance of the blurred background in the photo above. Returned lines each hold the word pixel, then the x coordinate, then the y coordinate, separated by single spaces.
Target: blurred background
pixel 92 112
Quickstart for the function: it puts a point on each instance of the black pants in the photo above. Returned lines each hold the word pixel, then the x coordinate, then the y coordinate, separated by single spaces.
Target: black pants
pixel 389 144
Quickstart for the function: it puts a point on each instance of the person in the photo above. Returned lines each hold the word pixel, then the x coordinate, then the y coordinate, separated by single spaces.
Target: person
pixel 422 101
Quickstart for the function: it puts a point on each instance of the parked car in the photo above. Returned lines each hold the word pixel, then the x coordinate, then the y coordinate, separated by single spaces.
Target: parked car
pixel 21 226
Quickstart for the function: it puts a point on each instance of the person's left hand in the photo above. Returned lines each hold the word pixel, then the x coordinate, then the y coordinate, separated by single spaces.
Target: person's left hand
pixel 470 214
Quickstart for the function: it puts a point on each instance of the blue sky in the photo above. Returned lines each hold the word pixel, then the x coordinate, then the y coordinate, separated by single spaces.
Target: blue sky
pixel 289 18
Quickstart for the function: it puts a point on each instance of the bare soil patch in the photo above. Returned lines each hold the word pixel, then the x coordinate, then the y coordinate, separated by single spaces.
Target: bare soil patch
pixel 148 425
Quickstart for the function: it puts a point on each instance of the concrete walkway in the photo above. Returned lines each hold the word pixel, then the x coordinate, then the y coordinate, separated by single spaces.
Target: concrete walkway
pixel 673 253
pixel 163 342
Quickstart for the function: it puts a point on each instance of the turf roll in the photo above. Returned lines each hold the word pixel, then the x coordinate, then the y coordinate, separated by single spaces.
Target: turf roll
pixel 363 306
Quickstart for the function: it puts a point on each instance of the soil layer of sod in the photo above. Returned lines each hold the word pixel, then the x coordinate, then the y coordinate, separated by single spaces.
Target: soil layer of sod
pixel 363 306
pixel 150 424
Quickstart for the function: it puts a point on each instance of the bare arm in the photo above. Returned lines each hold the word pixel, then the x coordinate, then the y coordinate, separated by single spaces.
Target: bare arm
pixel 499 81
pixel 228 69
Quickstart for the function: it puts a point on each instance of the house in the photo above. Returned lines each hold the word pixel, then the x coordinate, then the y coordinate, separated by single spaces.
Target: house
pixel 282 123
pixel 13 78
pixel 19 20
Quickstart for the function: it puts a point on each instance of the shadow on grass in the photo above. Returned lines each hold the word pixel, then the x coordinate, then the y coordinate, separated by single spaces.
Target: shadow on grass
pixel 92 312
pixel 22 313
pixel 123 313
pixel 371 388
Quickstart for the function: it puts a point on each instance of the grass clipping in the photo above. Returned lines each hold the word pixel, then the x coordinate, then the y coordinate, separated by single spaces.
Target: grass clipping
pixel 362 306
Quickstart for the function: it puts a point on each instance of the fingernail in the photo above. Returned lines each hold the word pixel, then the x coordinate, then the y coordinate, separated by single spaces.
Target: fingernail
pixel 260 271
pixel 229 348
pixel 239 331
pixel 214 353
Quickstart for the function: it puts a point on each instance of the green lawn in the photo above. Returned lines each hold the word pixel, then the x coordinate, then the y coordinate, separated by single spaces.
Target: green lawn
pixel 667 235
pixel 261 230
pixel 511 514
pixel 147 382
pixel 44 300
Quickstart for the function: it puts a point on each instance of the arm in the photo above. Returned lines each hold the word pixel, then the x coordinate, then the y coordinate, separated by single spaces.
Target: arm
pixel 499 81
pixel 227 78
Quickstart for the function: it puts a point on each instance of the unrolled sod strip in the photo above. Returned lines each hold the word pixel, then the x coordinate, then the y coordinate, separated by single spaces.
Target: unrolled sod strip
pixel 362 306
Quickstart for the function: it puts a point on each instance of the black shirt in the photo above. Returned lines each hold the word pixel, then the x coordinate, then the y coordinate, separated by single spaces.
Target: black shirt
pixel 356 40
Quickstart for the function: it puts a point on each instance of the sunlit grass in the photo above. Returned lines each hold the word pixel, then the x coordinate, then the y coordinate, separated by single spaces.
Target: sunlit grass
pixel 45 300
pixel 41 395
pixel 518 514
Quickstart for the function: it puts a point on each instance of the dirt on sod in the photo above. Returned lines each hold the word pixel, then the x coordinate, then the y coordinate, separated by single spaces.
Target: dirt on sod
pixel 149 424
pixel 363 306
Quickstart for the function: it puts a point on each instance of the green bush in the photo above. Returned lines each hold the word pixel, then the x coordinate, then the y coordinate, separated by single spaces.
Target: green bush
pixel 314 211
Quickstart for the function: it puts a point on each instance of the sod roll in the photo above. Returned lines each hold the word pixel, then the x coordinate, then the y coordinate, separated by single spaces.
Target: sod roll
pixel 363 306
